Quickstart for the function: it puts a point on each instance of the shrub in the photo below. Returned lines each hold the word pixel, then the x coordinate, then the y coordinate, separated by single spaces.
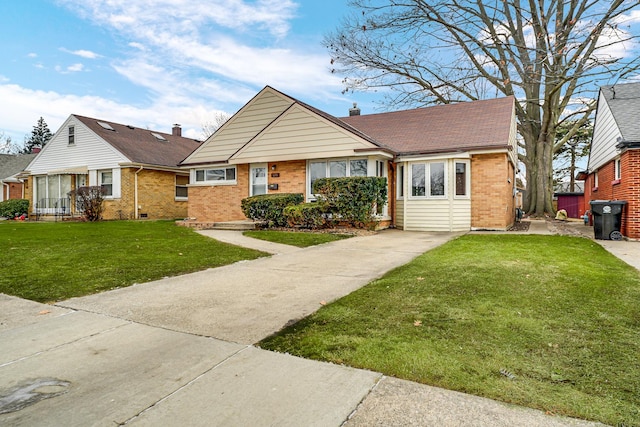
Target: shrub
pixel 89 201
pixel 306 215
pixel 268 208
pixel 354 200
pixel 13 208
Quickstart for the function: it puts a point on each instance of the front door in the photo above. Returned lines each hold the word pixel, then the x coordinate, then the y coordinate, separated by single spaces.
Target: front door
pixel 258 182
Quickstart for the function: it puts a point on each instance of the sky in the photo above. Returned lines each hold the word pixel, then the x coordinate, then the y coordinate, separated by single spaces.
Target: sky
pixel 153 63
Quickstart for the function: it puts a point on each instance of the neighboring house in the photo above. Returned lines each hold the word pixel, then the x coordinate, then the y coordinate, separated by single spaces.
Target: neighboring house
pixel 613 171
pixel 449 168
pixel 10 167
pixel 571 201
pixel 136 167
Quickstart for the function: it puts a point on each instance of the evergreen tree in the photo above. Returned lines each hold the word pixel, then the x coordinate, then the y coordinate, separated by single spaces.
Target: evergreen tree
pixel 40 135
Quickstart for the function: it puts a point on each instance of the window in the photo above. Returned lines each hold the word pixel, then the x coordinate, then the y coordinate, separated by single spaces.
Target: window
pixel 72 135
pixel 436 179
pixel 461 179
pixel 617 169
pixel 595 180
pixel 217 175
pixel 400 179
pixel 181 186
pixel 435 173
pixel 336 169
pixel 358 167
pixel 105 180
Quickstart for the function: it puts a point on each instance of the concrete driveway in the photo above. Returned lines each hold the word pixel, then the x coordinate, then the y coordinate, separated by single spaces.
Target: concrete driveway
pixel 177 352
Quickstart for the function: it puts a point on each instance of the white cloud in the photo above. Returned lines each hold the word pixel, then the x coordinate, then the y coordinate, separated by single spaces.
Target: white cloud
pixel 82 53
pixel 32 55
pixel 73 68
pixel 24 107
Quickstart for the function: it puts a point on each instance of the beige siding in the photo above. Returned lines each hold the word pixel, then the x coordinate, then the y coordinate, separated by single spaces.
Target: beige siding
pixel 430 214
pixel 399 218
pixel 244 126
pixel 300 134
pixel 605 135
pixel 88 150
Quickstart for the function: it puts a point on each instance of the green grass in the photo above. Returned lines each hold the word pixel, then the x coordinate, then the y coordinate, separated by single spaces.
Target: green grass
pixel 49 262
pixel 548 322
pixel 295 238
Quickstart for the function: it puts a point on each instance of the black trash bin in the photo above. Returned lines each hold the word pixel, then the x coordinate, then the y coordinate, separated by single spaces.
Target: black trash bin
pixel 607 216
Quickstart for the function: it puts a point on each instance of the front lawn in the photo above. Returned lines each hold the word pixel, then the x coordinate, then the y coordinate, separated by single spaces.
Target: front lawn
pixel 295 238
pixel 548 322
pixel 49 262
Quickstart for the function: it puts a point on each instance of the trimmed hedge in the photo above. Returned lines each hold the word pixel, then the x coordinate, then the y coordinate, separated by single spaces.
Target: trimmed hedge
pixel 14 207
pixel 269 208
pixel 306 215
pixel 353 199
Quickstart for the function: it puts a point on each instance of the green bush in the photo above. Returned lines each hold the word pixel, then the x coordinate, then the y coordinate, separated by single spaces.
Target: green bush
pixel 355 200
pixel 306 215
pixel 14 207
pixel 269 208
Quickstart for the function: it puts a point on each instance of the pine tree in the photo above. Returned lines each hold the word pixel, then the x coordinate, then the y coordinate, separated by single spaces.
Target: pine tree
pixel 40 135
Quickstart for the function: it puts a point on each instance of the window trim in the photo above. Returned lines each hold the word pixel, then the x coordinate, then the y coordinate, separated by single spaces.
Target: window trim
pixel 194 176
pixel 71 135
pixel 185 186
pixel 100 172
pixel 617 169
pixel 400 184
pixel 427 181
pixel 327 162
pixel 467 169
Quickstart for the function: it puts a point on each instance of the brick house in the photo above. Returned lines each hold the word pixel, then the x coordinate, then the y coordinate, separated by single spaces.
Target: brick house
pixel 449 167
pixel 136 167
pixel 613 171
pixel 10 167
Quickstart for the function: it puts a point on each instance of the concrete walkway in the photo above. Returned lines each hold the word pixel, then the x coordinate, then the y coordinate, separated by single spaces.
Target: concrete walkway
pixel 178 351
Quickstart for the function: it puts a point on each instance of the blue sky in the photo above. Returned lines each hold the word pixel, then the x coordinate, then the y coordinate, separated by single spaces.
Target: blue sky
pixel 152 63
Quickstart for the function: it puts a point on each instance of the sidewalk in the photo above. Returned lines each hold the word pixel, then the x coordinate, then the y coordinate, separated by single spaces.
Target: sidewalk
pixel 178 351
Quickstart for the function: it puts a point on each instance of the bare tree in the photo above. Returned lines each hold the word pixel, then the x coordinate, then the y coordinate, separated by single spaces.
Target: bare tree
pixel 7 146
pixel 551 55
pixel 209 127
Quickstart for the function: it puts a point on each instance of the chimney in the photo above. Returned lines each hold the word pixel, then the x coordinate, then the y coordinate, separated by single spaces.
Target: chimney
pixel 35 150
pixel 176 130
pixel 355 111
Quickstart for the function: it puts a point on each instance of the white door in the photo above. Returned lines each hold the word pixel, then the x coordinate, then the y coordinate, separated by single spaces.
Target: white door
pixel 258 182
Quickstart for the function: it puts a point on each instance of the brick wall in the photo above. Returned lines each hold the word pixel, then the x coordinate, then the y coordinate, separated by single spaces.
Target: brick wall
pixel 626 188
pixel 219 203
pixel 156 196
pixel 492 201
pixel 291 179
pixel 15 190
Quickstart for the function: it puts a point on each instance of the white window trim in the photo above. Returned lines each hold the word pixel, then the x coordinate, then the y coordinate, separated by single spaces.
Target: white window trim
pixel 401 185
pixel 113 185
pixel 194 183
pixel 371 170
pixel 71 135
pixel 617 169
pixel 427 181
pixel 467 187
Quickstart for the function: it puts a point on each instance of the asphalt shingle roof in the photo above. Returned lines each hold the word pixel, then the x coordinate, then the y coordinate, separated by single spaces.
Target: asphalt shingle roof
pixel 624 102
pixel 442 128
pixel 140 145
pixel 11 164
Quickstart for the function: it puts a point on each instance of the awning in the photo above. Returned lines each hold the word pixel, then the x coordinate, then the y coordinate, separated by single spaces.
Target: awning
pixel 78 170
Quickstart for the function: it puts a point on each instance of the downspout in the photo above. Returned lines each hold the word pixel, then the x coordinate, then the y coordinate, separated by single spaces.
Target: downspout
pixel 135 191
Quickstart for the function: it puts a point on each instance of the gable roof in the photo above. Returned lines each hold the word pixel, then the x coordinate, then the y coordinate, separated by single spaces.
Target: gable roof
pixel 442 128
pixel 141 145
pixel 624 103
pixel 11 164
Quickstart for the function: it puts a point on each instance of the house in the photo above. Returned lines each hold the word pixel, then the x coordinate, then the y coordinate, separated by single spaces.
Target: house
pixel 571 201
pixel 449 167
pixel 613 170
pixel 136 167
pixel 10 167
